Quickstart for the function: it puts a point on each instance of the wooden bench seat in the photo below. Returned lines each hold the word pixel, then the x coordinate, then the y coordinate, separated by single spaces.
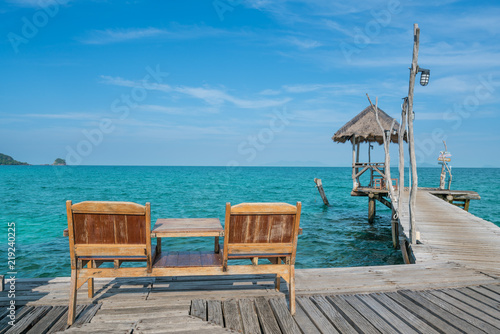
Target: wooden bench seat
pixel 188 259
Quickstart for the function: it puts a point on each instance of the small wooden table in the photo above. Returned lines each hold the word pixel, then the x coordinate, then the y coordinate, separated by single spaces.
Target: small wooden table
pixel 187 227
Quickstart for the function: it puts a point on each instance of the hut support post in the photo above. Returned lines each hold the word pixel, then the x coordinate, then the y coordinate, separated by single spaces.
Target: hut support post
pixel 411 140
pixel 371 208
pixel 387 134
pixel 354 169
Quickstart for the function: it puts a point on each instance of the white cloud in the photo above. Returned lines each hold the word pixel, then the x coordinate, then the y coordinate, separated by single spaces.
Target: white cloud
pixel 211 96
pixel 119 35
pixel 270 92
pixel 68 116
pixel 303 43
pixel 38 3
pixel 175 31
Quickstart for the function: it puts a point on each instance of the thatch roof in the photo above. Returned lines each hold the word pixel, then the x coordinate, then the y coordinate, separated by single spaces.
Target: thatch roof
pixel 364 128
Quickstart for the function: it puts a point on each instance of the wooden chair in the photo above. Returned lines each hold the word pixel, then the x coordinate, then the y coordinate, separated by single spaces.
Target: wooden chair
pixel 106 232
pixel 264 230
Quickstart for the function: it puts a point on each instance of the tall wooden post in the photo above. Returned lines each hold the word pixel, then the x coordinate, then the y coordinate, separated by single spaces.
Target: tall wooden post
pixel 411 140
pixel 354 169
pixel 401 135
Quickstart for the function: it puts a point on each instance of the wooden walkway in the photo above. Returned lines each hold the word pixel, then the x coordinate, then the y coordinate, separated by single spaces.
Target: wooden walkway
pixel 469 310
pixel 45 319
pixel 162 305
pixel 450 234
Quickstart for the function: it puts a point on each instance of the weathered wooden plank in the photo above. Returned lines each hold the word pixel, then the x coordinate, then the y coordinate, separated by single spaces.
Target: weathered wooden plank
pixel 474 303
pixel 214 312
pixel 466 308
pixel 232 317
pixel 249 317
pixel 87 314
pixel 480 297
pixel 304 322
pixel 283 316
pixel 386 314
pixel 370 315
pixel 493 287
pixel 354 317
pixel 46 323
pixel 317 317
pixel 406 315
pixel 62 323
pixel 28 320
pixel 20 313
pixel 429 317
pixel 335 317
pixel 199 309
pixel 118 328
pixel 266 317
pixel 486 292
pixel 477 322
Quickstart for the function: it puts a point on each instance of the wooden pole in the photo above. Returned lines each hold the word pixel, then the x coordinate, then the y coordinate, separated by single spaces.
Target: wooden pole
pixel 371 208
pixel 321 191
pixel 395 229
pixel 443 177
pixel 411 139
pixel 354 183
pixel 402 130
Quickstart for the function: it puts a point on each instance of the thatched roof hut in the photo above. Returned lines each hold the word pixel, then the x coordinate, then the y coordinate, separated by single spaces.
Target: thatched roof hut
pixel 364 128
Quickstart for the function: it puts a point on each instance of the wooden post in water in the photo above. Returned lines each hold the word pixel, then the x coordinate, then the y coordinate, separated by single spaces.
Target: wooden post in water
pixel 371 208
pixel 354 169
pixel 411 139
pixel 319 185
pixel 395 228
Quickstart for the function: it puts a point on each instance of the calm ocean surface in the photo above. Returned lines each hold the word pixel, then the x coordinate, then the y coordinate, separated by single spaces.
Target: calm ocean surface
pixel 33 197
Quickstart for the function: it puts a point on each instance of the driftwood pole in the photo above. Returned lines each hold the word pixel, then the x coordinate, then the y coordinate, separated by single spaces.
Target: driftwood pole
pixel 401 136
pixel 354 169
pixel 411 140
pixel 321 191
pixel 401 183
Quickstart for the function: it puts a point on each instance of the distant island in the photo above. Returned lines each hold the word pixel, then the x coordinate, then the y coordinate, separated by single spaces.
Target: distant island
pixel 59 162
pixel 8 160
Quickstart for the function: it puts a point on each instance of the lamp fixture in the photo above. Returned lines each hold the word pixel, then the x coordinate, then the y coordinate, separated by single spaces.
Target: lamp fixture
pixel 424 77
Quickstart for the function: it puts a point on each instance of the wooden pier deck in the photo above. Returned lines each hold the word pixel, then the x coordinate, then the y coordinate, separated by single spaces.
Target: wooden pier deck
pixel 450 234
pixel 387 293
pixel 453 287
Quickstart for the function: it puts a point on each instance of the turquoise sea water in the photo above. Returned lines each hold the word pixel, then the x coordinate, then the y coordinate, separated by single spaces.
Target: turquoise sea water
pixel 33 197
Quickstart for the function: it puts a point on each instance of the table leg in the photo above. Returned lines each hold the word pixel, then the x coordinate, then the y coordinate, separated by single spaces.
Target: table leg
pixel 216 246
pixel 158 246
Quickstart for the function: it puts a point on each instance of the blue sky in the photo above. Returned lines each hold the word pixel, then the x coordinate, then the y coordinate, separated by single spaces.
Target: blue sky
pixel 231 82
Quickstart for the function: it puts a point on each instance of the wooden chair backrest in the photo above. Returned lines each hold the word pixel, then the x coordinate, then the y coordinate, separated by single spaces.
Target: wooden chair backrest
pixel 260 229
pixel 109 229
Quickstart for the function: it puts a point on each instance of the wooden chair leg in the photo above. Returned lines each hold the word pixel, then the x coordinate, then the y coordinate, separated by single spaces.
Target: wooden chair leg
pixel 277 282
pixel 72 297
pixel 90 282
pixel 291 289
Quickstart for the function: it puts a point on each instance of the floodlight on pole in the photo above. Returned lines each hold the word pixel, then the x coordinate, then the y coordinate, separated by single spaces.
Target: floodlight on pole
pixel 424 77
